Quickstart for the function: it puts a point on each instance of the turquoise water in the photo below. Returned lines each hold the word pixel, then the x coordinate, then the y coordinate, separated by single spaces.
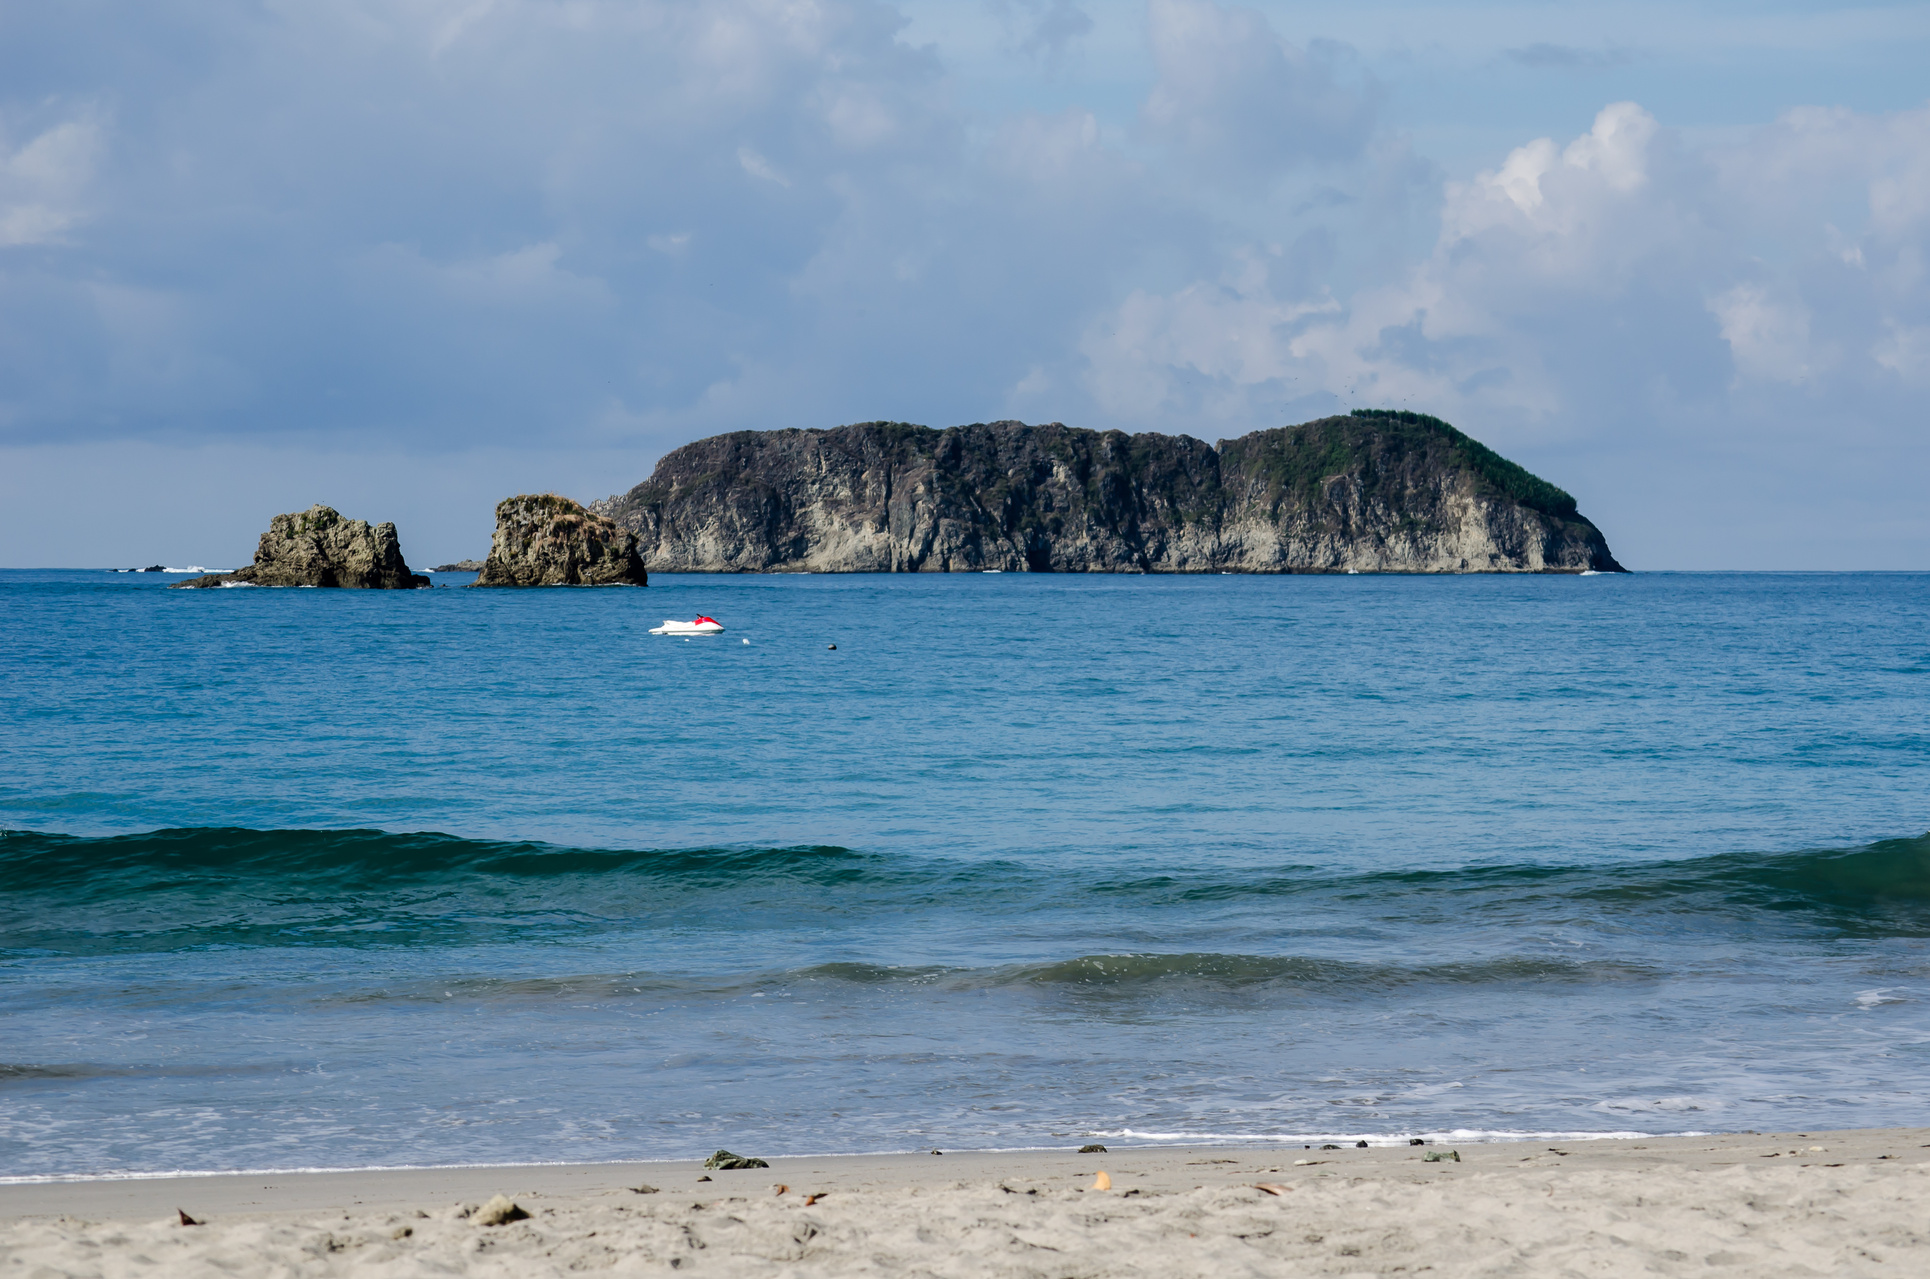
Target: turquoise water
pixel 331 878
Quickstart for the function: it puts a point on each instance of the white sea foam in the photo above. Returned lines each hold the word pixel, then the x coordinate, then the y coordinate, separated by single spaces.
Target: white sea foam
pixel 1657 1105
pixel 1379 1138
pixel 1431 1090
pixel 1881 995
pixel 58 1178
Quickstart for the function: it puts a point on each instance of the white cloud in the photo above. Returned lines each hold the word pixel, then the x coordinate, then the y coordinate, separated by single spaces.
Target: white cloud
pixel 1043 29
pixel 43 184
pixel 320 188
pixel 448 224
pixel 1192 352
pixel 1905 351
pixel 1063 156
pixel 758 167
pixel 1578 211
pixel 531 274
pixel 1238 103
pixel 1619 274
pixel 1769 339
pixel 451 25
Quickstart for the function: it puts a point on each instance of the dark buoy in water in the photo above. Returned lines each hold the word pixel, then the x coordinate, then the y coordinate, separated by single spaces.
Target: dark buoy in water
pixel 831 646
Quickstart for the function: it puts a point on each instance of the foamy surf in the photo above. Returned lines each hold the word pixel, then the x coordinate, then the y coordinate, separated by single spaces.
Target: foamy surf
pixel 1375 1139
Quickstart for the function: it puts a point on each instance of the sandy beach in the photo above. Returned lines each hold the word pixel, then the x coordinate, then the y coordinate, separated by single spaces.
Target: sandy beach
pixel 1835 1203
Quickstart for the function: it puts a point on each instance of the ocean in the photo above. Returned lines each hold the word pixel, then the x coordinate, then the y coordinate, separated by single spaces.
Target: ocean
pixel 309 878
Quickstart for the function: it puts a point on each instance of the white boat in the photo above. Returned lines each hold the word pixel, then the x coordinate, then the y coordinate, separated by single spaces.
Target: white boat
pixel 701 626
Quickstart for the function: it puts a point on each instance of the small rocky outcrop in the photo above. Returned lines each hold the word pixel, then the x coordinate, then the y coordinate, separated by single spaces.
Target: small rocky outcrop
pixel 460 566
pixel 542 539
pixel 1375 491
pixel 317 547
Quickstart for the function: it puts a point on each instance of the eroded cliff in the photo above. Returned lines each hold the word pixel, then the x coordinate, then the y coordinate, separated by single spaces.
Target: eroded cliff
pixel 1369 492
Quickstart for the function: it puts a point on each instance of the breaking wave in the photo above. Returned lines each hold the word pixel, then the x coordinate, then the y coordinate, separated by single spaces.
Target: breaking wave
pixel 173 889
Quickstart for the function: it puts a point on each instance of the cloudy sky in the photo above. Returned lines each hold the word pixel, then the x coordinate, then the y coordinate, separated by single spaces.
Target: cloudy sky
pixel 410 256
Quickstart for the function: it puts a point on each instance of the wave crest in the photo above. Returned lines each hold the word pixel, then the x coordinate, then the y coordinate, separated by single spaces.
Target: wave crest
pixel 30 859
pixel 174 889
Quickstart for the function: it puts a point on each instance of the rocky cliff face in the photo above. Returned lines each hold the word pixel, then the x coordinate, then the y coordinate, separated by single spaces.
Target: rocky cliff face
pixel 546 540
pixel 1370 492
pixel 317 547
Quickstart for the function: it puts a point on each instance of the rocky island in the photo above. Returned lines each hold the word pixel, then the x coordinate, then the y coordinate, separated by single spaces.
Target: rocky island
pixel 1375 491
pixel 542 539
pixel 317 547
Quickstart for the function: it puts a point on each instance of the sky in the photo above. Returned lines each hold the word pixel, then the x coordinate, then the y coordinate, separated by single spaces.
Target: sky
pixel 409 257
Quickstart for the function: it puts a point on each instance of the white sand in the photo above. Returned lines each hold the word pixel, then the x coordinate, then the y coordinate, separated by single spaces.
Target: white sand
pixel 1741 1205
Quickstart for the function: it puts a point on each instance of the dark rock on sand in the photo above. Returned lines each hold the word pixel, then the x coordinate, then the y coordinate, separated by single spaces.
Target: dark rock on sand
pixel 317 547
pixel 546 540
pixel 1375 491
pixel 728 1162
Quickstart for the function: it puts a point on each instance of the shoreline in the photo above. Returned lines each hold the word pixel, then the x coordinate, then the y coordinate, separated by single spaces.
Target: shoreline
pixel 1841 1202
pixel 1302 1141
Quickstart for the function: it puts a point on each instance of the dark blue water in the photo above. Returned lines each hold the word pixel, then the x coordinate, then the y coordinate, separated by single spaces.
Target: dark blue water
pixel 335 878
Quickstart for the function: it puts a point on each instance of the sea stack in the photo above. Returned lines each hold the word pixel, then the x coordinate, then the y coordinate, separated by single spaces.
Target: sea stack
pixel 542 539
pixel 1375 491
pixel 317 547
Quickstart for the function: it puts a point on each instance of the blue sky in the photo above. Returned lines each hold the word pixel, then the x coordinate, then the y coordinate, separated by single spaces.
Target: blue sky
pixel 410 257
